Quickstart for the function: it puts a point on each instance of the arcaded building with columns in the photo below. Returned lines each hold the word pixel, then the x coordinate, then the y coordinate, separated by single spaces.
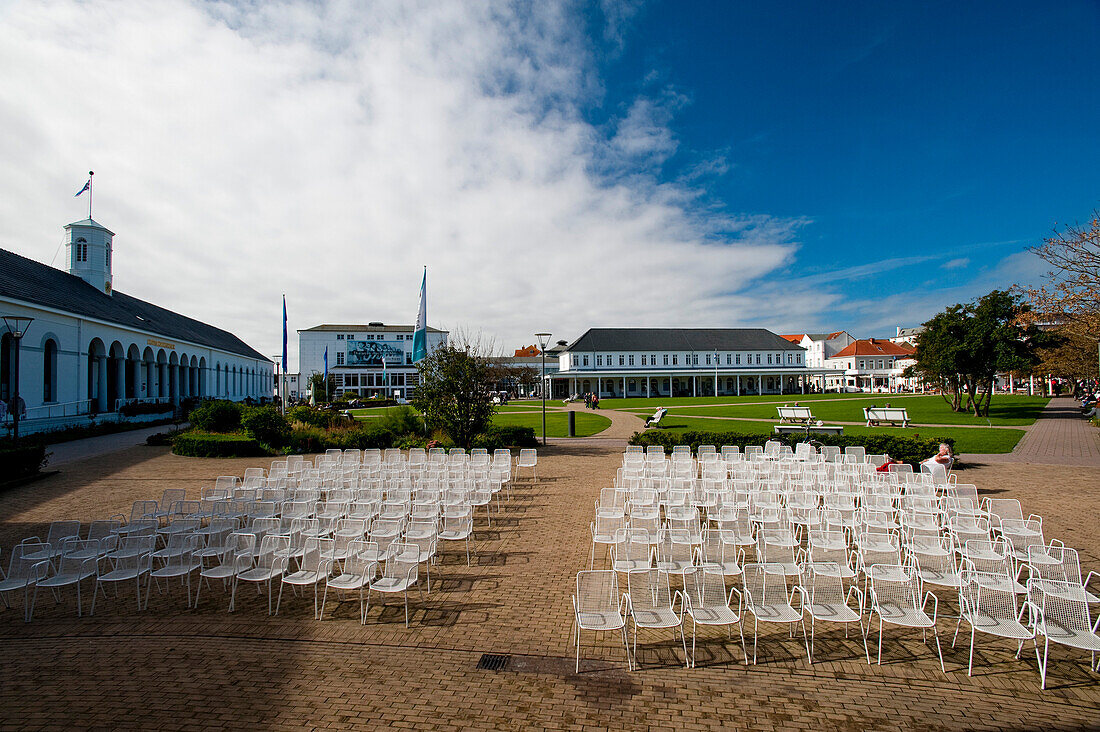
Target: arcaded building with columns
pixel 90 348
pixel 664 362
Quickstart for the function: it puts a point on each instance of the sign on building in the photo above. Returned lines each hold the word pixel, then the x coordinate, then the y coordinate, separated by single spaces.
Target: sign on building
pixel 372 353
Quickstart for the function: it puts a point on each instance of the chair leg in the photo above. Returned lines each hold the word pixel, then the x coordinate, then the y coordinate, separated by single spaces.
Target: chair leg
pixel 939 651
pixel 280 601
pixel 970 663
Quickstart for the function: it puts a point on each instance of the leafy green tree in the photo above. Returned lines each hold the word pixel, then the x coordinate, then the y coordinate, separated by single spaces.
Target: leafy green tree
pixel 453 394
pixel 963 349
pixel 322 392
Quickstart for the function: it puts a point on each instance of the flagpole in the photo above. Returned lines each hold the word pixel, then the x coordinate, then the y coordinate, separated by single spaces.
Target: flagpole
pixel 91 173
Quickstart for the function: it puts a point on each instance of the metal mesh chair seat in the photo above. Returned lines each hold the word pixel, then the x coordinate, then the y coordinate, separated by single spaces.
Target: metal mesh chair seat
pixel 601 619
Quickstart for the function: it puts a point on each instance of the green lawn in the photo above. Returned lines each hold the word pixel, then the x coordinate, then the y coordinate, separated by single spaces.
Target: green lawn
pixel 557 424
pixel 371 412
pixel 1005 410
pixel 649 404
pixel 967 439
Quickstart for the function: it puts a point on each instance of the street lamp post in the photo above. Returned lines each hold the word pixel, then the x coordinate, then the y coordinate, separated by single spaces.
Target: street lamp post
pixel 544 338
pixel 278 385
pixel 18 328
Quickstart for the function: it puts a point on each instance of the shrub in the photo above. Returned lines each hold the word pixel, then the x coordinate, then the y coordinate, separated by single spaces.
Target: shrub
pixel 312 416
pixel 906 449
pixel 160 439
pixel 208 444
pixel 22 461
pixel 401 420
pixel 216 416
pixel 266 424
pixel 133 409
pixel 506 436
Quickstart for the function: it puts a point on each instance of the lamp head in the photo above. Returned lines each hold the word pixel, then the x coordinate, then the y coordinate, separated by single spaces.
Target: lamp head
pixel 544 338
pixel 17 326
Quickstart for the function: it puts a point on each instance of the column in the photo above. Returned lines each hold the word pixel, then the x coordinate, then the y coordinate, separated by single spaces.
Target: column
pixel 716 383
pixel 135 368
pixel 101 384
pixel 647 379
pixel 782 386
pixel 739 385
pixel 624 387
pixel 150 379
pixel 694 385
pixel 174 383
pixel 120 380
pixel 162 380
pixel 760 385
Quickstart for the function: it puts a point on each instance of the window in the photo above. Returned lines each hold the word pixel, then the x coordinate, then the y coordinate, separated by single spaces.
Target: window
pixel 729 359
pixel 631 359
pixel 599 359
pixel 350 336
pixel 758 359
pixel 339 336
pixel 586 359
pixel 666 359
pixel 572 359
pixel 108 260
pixel 622 360
pixel 695 359
pixel 49 371
pixel 863 364
pixel 708 359
pixel 339 358
pixel 798 358
pixel 643 360
pixel 769 359
pixel 738 359
pixel 789 359
pixel 351 380
pixel 674 359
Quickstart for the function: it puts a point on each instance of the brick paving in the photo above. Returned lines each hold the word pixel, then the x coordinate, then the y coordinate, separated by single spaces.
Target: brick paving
pixel 1061 436
pixel 174 668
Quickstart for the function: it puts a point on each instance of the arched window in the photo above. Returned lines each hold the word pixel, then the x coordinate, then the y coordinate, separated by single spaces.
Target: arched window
pixel 49 371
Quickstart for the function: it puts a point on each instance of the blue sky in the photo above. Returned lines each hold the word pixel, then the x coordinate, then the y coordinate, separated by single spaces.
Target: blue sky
pixel 556 165
pixel 958 131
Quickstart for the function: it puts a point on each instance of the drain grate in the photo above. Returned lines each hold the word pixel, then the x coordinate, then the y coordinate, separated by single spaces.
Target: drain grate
pixel 493 661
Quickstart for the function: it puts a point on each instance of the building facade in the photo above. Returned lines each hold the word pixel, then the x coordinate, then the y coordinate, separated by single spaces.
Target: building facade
pixel 869 365
pixel 821 346
pixel 368 360
pixel 91 349
pixel 663 362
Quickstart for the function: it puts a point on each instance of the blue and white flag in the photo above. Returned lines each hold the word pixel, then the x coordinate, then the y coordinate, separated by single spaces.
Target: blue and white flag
pixel 326 372
pixel 284 334
pixel 87 186
pixel 420 333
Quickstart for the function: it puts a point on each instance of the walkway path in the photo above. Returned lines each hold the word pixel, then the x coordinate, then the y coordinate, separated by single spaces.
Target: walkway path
pixel 1059 437
pixel 67 452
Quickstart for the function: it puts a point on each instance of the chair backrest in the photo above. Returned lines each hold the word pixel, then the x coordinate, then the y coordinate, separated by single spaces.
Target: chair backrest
pixel 404 561
pixel 705 587
pixel 1001 509
pixel 21 567
pixel 1063 607
pixel 597 592
pixel 823 583
pixel 140 509
pixel 648 590
pixel 273 548
pixel 765 585
pixel 896 586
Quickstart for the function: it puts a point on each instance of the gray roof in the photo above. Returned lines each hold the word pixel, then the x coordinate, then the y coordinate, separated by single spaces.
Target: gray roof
pixel 702 340
pixel 368 328
pixel 33 282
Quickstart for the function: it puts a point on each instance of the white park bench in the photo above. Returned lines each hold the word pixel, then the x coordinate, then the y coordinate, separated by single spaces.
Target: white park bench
pixel 798 415
pixel 892 415
pixel 655 420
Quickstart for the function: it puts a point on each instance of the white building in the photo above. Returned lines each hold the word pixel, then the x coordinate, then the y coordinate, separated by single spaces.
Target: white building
pixel 908 336
pixel 653 362
pixel 872 364
pixel 369 360
pixel 821 346
pixel 91 349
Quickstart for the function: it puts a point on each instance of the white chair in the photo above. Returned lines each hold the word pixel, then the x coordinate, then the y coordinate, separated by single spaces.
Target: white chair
pixel 181 563
pixel 598 607
pixel 821 588
pixel 132 561
pixel 358 572
pixel 270 564
pixel 1061 614
pixel 400 573
pixel 235 558
pixel 1067 568
pixel 896 594
pixel 631 550
pixel 708 603
pixel 528 458
pixel 24 573
pixel 766 597
pixel 458 525
pixel 989 606
pixel 79 561
pixel 649 605
pixel 58 533
pixel 315 567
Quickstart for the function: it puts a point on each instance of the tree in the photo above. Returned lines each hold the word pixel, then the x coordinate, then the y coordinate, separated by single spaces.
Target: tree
pixel 1072 290
pixel 1074 356
pixel 453 394
pixel 317 387
pixel 963 349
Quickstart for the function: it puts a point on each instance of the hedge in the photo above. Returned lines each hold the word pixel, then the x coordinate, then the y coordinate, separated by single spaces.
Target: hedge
pixel 22 461
pixel 209 444
pixel 216 416
pixel 906 449
pixel 506 436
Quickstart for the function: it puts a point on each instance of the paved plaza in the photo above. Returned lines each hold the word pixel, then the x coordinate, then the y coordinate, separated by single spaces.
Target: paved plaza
pixel 173 668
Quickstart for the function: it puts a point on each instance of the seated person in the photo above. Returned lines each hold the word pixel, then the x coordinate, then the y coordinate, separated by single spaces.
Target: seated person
pixel 656 416
pixel 942 460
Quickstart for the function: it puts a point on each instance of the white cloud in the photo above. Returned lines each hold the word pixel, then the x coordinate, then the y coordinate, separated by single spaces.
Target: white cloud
pixel 955 263
pixel 330 150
